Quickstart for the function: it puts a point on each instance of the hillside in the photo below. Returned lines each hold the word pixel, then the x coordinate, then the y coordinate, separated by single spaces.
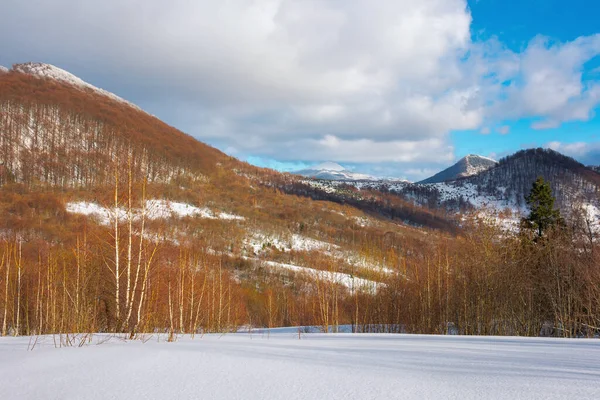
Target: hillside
pixel 59 131
pixel 113 221
pixel 84 172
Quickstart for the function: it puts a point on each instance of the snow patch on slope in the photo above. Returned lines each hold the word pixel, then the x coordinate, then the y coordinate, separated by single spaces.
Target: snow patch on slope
pixel 155 209
pixel 52 72
pixel 259 242
pixel 592 214
pixel 339 278
pixel 3 70
pixel 475 164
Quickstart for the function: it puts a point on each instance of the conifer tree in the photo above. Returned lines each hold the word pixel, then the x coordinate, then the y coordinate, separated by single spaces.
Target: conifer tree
pixel 542 215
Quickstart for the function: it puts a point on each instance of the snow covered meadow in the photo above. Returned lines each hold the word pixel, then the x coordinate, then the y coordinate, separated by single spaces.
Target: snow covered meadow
pixel 279 365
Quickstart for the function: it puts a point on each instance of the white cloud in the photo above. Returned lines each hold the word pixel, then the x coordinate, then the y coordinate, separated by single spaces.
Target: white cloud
pixel 309 80
pixel 548 83
pixel 282 73
pixel 369 151
pixel 587 153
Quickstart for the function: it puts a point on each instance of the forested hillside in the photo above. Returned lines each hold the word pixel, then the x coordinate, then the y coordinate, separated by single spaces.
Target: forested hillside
pixel 114 221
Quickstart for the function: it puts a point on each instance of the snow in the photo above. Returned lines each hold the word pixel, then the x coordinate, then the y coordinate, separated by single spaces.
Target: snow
pixel 58 74
pixel 155 209
pixel 321 185
pixel 3 70
pixel 481 157
pixel 347 280
pixel 162 209
pixel 329 166
pixel 277 365
pixel 333 171
pixel 470 192
pixel 592 214
pixel 102 214
pixel 262 241
pixel 474 170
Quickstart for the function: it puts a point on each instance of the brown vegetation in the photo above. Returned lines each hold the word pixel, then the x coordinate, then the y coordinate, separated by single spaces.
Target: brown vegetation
pixel 61 272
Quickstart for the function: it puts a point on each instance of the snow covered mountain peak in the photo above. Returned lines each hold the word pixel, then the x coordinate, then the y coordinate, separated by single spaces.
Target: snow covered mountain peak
pixel 469 165
pixel 477 158
pixel 50 71
pixel 334 172
pixel 474 164
pixel 329 166
pixel 3 70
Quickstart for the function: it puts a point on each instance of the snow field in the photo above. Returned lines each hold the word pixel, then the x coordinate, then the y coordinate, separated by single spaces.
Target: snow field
pixel 277 365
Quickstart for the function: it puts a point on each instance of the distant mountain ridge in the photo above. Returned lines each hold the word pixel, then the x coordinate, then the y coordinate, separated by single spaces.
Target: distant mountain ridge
pixel 467 166
pixel 494 190
pixel 334 172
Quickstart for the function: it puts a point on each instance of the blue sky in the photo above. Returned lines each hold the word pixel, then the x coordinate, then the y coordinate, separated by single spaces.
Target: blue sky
pixel 394 88
pixel 514 23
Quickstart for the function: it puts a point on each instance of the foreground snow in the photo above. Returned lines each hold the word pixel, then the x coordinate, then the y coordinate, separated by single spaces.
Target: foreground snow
pixel 277 365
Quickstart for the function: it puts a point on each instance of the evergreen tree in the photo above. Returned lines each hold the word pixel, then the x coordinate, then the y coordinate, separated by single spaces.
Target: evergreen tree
pixel 542 215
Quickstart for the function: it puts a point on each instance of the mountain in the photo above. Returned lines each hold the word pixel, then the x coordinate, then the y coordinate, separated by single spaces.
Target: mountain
pixel 466 166
pixel 113 221
pixel 493 191
pixel 333 171
pixel 113 200
pixel 512 178
pixel 3 70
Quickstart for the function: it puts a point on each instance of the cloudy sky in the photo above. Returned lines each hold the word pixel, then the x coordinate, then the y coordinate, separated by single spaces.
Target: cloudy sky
pixel 389 87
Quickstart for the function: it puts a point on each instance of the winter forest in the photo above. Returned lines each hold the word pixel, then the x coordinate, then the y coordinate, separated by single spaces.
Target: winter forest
pixel 140 269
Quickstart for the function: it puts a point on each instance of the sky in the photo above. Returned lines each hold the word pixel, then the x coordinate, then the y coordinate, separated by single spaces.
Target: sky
pixel 393 88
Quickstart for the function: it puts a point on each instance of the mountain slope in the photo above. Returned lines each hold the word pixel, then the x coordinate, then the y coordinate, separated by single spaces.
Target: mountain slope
pixel 512 178
pixel 83 172
pixel 60 131
pixel 466 166
pixel 49 71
